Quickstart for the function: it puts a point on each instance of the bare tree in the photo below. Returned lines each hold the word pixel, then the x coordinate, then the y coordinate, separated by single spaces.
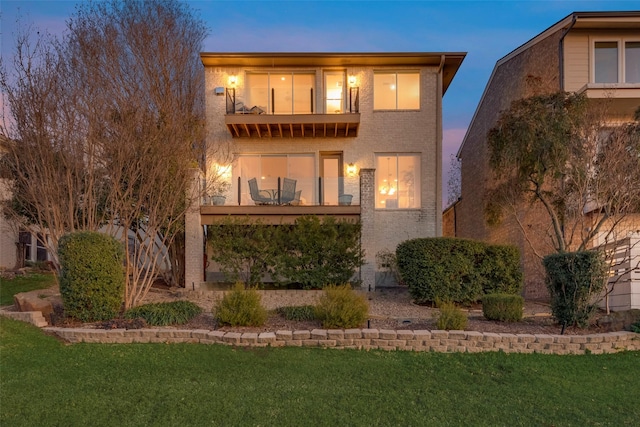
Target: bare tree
pixel 121 128
pixel 558 152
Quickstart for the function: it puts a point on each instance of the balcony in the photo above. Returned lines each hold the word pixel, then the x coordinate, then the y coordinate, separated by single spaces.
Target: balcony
pixel 337 197
pixel 254 123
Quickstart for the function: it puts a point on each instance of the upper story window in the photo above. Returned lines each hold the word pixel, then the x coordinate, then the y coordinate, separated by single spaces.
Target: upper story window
pixel 398 181
pixel 280 93
pixel 396 91
pixel 616 61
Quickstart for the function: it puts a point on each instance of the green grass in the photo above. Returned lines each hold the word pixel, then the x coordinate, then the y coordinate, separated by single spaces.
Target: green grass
pixel 47 383
pixel 8 288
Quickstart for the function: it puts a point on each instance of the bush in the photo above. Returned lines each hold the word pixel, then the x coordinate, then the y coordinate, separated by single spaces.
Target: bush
pixel 317 252
pixel 502 307
pixel 574 280
pixel 165 313
pixel 340 307
pixel 240 307
pixel 297 312
pixel 441 269
pixel 500 269
pixel 92 277
pixel 635 327
pixel 457 270
pixel 451 317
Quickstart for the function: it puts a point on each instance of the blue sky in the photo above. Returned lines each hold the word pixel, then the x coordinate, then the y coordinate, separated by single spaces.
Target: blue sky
pixel 486 30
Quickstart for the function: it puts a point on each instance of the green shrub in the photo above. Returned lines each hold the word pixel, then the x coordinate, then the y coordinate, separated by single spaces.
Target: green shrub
pixel 574 280
pixel 165 313
pixel 312 252
pixel 635 327
pixel 297 312
pixel 502 307
pixel 240 307
pixel 317 252
pixel 340 307
pixel 92 277
pixel 451 317
pixel 441 269
pixel 500 270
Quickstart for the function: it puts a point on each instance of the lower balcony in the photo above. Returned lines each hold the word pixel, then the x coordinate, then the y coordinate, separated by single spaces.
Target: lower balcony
pixel 275 214
pixel 293 125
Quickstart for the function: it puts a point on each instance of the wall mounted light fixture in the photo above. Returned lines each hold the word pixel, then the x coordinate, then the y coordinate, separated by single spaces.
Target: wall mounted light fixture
pixel 351 169
pixel 233 79
pixel 352 80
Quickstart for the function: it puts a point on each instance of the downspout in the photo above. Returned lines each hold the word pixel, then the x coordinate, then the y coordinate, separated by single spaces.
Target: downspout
pixel 438 135
pixel 561 51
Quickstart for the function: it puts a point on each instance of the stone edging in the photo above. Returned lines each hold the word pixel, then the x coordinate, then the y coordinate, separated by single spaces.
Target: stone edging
pixel 369 339
pixel 363 339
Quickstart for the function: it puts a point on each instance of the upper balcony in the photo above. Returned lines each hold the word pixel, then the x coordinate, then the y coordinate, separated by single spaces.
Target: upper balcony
pixel 258 123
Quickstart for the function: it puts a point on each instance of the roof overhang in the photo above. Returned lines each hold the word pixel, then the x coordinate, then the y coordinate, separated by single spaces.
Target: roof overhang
pixel 449 61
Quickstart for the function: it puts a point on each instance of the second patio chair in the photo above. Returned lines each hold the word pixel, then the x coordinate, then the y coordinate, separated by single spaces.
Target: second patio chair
pixel 259 197
pixel 288 193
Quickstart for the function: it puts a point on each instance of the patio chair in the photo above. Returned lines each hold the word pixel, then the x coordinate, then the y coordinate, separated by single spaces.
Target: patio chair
pixel 288 193
pixel 259 197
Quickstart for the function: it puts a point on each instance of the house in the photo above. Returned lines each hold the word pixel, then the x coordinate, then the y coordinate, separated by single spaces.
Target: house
pixel 595 53
pixel 360 134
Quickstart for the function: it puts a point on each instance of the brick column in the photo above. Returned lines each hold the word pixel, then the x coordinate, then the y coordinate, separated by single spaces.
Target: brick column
pixel 193 239
pixel 367 211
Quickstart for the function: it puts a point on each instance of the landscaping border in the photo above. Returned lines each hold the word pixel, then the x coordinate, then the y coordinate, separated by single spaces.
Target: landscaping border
pixel 369 339
pixel 360 339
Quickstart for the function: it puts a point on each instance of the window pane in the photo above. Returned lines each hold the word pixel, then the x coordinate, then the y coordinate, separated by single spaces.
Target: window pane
pixel 386 181
pixel 384 91
pixel 409 181
pixel 632 62
pixel 256 92
pixel 302 89
pixel 408 91
pixel 302 168
pixel 606 62
pixel 334 93
pixel 281 87
pixel 272 168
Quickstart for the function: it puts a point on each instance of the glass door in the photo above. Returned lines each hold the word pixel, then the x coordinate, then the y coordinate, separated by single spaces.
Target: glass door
pixel 331 174
pixel 334 92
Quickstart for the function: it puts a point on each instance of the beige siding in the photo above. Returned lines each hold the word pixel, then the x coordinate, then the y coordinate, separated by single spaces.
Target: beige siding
pixel 576 61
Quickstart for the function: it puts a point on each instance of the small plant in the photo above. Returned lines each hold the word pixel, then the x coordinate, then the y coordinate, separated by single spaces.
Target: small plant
pixel 165 313
pixel 502 307
pixel 636 328
pixel 297 312
pixel 340 307
pixel 451 317
pixel 240 307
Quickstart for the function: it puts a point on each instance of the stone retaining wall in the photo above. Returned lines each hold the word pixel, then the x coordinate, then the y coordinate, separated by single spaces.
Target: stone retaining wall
pixel 368 339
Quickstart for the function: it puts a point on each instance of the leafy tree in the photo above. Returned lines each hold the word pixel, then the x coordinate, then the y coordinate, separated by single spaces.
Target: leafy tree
pixel 106 125
pixel 557 151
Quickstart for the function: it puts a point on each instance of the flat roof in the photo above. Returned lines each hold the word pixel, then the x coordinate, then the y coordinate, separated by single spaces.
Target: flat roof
pixel 450 61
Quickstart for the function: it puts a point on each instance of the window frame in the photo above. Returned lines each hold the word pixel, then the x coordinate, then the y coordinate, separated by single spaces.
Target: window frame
pixel 621 42
pixel 397 90
pixel 414 193
pixel 270 101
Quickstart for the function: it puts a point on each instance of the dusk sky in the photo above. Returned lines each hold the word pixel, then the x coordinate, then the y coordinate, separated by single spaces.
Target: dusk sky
pixel 486 30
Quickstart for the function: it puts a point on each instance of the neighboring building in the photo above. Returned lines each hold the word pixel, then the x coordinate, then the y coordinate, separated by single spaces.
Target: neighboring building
pixel 596 53
pixel 360 133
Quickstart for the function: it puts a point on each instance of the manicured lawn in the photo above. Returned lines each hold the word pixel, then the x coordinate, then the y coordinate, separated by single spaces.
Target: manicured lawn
pixel 34 281
pixel 45 382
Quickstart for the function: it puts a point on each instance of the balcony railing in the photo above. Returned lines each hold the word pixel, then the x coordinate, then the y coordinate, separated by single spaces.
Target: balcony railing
pixel 244 121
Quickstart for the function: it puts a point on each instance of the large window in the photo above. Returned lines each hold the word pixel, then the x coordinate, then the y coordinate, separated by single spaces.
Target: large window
pixel 397 181
pixel 267 168
pixel 280 93
pixel 396 91
pixel 616 61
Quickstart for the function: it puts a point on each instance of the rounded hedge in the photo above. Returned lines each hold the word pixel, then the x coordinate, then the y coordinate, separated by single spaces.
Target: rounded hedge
pixel 92 279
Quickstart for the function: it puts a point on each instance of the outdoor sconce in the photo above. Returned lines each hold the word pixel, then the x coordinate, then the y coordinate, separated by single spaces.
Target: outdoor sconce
pixel 351 169
pixel 352 80
pixel 233 79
